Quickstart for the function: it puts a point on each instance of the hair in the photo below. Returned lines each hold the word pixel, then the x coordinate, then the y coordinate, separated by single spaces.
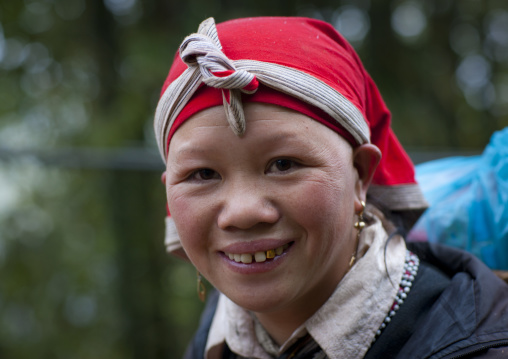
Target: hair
pixel 394 220
pixel 395 223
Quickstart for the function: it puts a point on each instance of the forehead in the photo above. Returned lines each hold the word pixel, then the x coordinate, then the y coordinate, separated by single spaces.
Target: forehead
pixel 266 123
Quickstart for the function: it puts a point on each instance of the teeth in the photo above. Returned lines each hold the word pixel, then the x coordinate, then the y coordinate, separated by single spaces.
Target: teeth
pixel 246 258
pixel 259 257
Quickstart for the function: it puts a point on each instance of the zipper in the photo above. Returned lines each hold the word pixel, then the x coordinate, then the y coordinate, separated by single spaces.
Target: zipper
pixel 491 346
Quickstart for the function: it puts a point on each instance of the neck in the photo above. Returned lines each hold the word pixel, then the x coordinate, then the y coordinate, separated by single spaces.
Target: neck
pixel 282 322
pixel 280 326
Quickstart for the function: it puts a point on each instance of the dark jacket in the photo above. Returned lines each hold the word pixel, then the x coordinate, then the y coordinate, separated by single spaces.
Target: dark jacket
pixel 457 308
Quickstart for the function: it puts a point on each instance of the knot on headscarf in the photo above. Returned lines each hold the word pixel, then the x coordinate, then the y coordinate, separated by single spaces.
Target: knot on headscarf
pixel 204 51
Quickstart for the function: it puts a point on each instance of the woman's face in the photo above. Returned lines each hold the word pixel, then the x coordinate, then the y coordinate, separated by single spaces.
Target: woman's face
pixel 288 188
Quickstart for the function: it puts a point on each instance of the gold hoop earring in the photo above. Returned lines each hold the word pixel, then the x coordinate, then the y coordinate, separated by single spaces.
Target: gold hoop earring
pixel 359 225
pixel 201 287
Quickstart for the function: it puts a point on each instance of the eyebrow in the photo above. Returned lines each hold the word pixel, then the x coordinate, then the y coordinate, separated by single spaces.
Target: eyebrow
pixel 287 137
pixel 189 150
pixel 269 138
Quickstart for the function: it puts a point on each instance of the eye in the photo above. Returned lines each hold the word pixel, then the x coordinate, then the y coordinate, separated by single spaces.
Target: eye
pixel 282 165
pixel 205 174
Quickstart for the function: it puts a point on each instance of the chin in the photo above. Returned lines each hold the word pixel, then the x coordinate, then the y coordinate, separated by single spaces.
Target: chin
pixel 260 300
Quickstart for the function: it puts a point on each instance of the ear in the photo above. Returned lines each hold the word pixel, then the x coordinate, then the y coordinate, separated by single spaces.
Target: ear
pixel 365 160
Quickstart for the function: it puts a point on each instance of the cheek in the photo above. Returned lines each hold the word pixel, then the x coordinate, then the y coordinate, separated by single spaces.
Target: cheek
pixel 327 217
pixel 188 215
pixel 177 204
pixel 323 200
pixel 325 211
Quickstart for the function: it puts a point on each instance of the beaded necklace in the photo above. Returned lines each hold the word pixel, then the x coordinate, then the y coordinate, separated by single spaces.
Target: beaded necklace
pixel 411 265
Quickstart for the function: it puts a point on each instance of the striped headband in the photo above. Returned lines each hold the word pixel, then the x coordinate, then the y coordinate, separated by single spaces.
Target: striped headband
pixel 300 63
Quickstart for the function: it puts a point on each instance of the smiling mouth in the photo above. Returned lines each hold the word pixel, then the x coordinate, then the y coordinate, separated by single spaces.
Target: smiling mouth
pixel 257 257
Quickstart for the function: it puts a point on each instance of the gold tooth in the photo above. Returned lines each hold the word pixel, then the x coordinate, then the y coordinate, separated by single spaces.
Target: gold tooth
pixel 270 254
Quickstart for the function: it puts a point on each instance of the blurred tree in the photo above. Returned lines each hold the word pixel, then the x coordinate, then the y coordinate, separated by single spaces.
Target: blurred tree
pixel 83 271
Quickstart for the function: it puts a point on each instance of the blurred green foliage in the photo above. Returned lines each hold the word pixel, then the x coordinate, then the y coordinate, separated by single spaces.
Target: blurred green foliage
pixel 83 272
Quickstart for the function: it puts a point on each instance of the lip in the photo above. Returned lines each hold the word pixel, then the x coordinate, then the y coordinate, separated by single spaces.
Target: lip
pixel 255 267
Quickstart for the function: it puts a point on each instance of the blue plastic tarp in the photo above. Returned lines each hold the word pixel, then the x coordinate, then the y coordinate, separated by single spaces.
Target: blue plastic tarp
pixel 468 202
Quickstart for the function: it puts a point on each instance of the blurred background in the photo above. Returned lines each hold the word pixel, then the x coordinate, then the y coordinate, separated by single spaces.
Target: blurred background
pixel 83 270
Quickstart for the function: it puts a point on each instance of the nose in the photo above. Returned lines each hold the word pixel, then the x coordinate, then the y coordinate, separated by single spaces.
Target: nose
pixel 245 206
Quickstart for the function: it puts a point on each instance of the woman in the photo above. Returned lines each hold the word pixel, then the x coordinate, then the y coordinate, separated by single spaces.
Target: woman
pixel 275 138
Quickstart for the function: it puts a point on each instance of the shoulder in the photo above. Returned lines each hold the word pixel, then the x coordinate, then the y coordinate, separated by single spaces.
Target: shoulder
pixel 486 293
pixel 457 307
pixel 196 348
